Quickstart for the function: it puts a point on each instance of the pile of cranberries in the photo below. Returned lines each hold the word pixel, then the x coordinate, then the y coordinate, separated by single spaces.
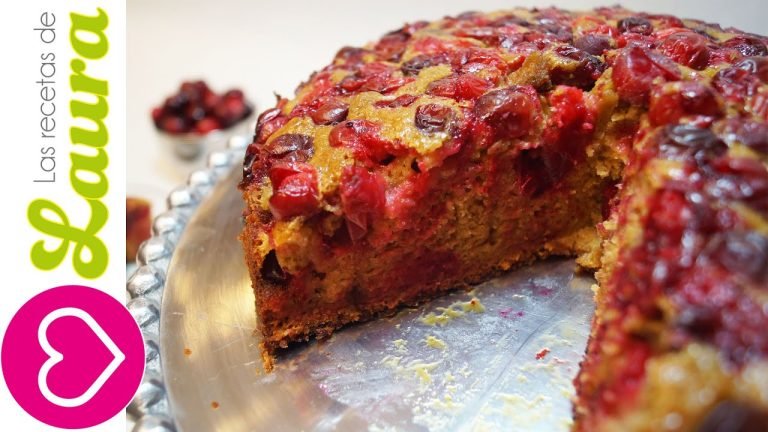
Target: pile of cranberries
pixel 195 108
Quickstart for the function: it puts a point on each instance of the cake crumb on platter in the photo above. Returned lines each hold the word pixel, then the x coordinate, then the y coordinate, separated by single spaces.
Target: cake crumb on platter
pixel 433 342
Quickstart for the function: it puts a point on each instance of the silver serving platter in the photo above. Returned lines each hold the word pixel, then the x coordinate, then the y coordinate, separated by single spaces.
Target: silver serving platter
pixel 500 357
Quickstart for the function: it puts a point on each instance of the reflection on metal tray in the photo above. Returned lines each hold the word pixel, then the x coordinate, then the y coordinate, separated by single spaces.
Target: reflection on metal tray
pixel 500 357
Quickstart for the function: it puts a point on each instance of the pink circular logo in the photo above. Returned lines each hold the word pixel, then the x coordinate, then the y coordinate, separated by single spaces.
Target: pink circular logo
pixel 73 357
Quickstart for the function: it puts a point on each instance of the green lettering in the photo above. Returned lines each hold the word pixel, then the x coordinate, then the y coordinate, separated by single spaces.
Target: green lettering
pixel 87 172
pixel 94 25
pixel 45 259
pixel 96 112
pixel 80 82
pixel 93 164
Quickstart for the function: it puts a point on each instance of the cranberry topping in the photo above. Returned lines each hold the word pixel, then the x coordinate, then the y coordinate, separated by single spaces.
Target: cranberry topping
pixel 757 66
pixel 594 44
pixel 400 101
pixel 433 117
pixel 537 39
pixel 412 28
pixel 696 252
pixel 555 32
pixel 749 133
pixel 256 162
pixel 351 56
pixel 582 72
pixel 286 148
pixel 747 45
pixel 636 68
pixel 392 45
pixel 636 39
pixel 688 142
pixel 295 190
pixel 416 64
pixel 331 112
pixel 743 179
pixel 459 87
pixel 673 101
pixel 569 111
pixel 489 35
pixel 269 121
pixel 744 252
pixel 362 137
pixel 736 82
pixel 378 77
pixel 509 21
pixel 291 148
pixel 635 24
pixel 667 21
pixel 467 60
pixel 362 199
pixel 724 314
pixel 476 59
pixel 687 48
pixel 510 112
pixel 630 380
pixel 568 130
pixel 249 163
pixel 431 45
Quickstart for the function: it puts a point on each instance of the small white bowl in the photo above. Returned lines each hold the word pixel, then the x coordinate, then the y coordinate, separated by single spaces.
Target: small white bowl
pixel 190 145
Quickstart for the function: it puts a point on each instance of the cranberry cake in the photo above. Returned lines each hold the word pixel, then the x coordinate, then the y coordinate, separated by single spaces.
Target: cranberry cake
pixel 449 151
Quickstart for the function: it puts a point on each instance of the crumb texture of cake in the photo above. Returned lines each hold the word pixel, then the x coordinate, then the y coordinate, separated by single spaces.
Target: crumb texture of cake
pixel 450 151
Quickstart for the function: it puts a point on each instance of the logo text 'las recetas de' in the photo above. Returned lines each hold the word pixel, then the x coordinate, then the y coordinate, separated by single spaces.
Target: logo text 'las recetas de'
pixel 89 160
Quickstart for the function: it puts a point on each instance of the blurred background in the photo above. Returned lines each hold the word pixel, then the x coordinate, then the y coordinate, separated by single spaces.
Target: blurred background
pixel 268 46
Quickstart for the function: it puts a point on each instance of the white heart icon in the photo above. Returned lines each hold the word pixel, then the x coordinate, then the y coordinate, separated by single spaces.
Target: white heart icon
pixel 54 357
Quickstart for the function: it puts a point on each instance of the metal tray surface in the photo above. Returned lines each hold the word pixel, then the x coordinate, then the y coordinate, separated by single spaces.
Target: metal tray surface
pixel 499 357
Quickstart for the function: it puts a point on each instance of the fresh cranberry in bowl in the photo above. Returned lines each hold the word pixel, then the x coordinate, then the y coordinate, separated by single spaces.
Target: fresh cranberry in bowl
pixel 196 114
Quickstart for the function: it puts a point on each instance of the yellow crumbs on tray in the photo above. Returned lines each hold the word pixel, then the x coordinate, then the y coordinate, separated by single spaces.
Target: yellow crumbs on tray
pixel 455 310
pixel 474 305
pixel 434 342
pixel 446 404
pixel 391 361
pixel 422 370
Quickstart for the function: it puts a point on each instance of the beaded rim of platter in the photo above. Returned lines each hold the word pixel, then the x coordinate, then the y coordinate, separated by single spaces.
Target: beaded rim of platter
pixel 150 409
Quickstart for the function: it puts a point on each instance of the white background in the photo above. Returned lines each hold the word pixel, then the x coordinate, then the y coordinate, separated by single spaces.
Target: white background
pixel 20 120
